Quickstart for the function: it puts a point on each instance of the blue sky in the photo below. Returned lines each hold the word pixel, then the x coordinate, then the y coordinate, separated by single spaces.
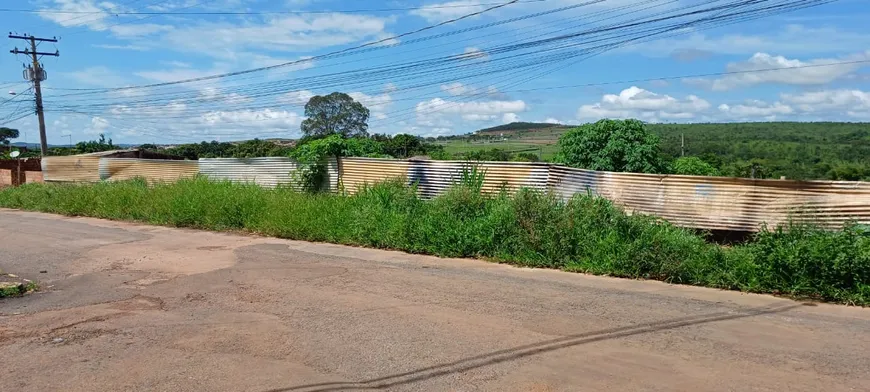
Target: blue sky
pixel 102 47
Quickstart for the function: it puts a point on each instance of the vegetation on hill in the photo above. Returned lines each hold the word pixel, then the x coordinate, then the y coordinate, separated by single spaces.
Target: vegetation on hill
pixel 802 151
pixel 517 126
pixel 823 150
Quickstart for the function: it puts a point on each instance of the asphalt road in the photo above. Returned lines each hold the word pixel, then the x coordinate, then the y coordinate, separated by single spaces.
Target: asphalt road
pixel 139 308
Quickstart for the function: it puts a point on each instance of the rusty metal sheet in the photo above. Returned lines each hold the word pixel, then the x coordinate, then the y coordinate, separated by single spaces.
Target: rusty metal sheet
pixel 152 170
pixel 434 177
pixel 74 168
pixel 358 172
pixel 721 203
pixel 266 172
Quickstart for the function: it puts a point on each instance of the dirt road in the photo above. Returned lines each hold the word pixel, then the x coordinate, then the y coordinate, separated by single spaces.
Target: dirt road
pixel 131 307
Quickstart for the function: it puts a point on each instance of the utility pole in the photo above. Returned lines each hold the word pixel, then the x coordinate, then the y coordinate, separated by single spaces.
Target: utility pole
pixel 36 74
pixel 682 145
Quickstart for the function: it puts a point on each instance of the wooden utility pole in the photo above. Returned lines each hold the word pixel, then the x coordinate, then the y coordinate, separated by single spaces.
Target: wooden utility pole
pixel 682 145
pixel 36 74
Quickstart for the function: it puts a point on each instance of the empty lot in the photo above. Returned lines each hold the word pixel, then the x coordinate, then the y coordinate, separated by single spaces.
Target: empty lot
pixel 132 307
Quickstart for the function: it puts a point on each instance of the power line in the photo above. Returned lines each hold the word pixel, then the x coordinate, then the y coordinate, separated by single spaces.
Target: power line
pixel 702 75
pixel 289 63
pixel 16 119
pixel 628 81
pixel 146 108
pixel 602 38
pixel 282 12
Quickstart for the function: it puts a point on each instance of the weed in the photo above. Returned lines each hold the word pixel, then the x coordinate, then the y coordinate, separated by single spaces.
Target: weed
pixel 585 233
pixel 9 289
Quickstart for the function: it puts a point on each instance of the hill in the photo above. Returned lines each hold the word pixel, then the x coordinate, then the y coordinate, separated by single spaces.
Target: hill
pixel 796 150
pixel 517 127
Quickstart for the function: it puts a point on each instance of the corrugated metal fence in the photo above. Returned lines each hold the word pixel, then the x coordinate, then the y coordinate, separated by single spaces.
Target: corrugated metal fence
pixel 267 172
pixel 119 169
pixel 715 203
pixel 434 177
pixel 721 202
pixel 690 201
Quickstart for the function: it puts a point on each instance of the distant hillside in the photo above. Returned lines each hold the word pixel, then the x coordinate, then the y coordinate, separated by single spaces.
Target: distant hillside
pixel 517 127
pixel 795 150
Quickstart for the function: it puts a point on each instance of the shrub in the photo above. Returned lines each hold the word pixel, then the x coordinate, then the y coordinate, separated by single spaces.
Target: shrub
pixel 693 166
pixel 584 233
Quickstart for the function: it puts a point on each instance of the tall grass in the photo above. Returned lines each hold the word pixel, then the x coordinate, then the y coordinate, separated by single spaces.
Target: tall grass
pixel 529 228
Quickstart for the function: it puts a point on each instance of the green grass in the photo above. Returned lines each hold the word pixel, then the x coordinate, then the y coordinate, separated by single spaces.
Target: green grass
pixel 584 234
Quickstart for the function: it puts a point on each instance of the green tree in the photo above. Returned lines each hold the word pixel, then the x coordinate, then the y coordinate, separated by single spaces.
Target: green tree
pixel 312 157
pixel 693 166
pixel 402 145
pixel 258 148
pixel 611 145
pixel 336 113
pixel 95 145
pixel 6 134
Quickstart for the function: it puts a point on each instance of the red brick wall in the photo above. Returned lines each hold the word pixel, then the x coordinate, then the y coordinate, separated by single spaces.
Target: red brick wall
pixel 5 177
pixel 8 177
pixel 33 176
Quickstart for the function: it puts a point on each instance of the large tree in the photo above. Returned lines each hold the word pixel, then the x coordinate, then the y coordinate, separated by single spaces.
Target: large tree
pixel 336 113
pixel 611 145
pixel 6 134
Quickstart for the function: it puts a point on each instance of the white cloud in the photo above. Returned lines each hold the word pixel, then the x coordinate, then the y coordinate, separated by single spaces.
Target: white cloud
pixel 137 48
pixel 551 120
pixel 455 88
pixel 852 103
pixel 439 12
pixel 439 106
pixel 213 95
pixel 296 98
pixel 448 115
pixel 508 118
pixel 478 117
pixel 635 102
pixel 265 118
pixel 377 104
pixel 287 33
pixel 756 108
pixel 98 16
pixel 97 126
pixel 812 73
pixel 472 53
pixel 458 89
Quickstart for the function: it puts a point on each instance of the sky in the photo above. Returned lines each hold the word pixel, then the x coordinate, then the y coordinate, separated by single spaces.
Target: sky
pixel 417 71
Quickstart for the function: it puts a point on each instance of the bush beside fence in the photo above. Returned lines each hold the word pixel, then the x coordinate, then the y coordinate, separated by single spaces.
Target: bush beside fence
pixel 711 203
pixel 530 228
